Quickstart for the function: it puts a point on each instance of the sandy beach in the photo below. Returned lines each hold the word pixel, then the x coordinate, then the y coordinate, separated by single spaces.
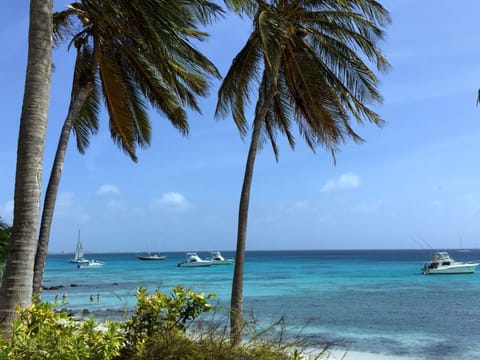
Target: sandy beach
pixel 339 354
pixel 356 355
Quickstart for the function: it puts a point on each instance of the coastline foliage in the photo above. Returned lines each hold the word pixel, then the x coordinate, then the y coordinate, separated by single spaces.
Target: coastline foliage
pixel 41 332
pixel 161 313
pixel 157 329
pixel 5 236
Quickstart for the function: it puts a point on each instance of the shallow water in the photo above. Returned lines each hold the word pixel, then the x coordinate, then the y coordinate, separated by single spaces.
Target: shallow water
pixel 373 301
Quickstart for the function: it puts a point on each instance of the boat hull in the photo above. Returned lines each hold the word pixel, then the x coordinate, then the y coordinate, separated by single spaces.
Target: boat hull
pixel 223 262
pixel 456 269
pixel 196 264
pixel 151 258
pixel 90 264
pixel 74 261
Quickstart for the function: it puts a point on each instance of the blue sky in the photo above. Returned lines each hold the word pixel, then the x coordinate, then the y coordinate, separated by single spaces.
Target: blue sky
pixel 415 181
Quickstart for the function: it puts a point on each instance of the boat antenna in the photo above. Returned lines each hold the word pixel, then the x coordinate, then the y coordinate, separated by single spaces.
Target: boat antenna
pixel 422 243
pixel 419 243
pixel 426 242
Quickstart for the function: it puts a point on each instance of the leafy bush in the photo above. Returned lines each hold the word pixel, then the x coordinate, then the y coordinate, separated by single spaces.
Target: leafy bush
pixel 41 332
pixel 162 313
pixel 155 331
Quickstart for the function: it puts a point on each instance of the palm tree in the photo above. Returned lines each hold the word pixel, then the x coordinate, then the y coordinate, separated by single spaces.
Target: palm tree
pixel 310 61
pixel 128 53
pixel 17 281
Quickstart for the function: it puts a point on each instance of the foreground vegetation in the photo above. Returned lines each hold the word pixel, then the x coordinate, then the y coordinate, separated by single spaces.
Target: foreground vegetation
pixel 156 329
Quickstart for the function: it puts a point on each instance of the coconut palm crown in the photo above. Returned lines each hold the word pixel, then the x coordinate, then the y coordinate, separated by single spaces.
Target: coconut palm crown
pixel 133 52
pixel 312 55
pixel 309 62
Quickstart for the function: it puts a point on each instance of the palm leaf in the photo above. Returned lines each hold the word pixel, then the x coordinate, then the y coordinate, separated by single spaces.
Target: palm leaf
pixel 117 100
pixel 237 85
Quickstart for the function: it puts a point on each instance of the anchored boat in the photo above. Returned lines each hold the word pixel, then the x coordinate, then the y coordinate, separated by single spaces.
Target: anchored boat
pixel 442 263
pixel 193 260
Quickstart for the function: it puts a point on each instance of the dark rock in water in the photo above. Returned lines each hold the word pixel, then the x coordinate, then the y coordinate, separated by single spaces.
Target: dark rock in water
pixel 74 285
pixel 115 283
pixel 69 312
pixel 85 312
pixel 57 287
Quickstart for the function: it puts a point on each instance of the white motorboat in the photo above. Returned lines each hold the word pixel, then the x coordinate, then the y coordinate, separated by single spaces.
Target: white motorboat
pixel 193 260
pixel 218 259
pixel 90 264
pixel 442 263
pixel 151 256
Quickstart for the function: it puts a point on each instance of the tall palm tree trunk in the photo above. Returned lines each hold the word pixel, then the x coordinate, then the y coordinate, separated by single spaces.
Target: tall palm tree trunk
pixel 16 287
pixel 236 301
pixel 52 188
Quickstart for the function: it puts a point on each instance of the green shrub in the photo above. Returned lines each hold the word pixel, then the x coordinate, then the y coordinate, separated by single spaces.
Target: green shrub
pixel 161 313
pixel 155 331
pixel 41 332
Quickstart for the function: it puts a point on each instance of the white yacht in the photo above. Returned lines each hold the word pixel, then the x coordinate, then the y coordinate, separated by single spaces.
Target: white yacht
pixel 193 260
pixel 442 263
pixel 218 259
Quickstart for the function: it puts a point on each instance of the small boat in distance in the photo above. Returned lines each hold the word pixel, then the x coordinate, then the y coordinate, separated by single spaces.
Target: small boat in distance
pixel 151 256
pixel 442 263
pixel 218 259
pixel 90 264
pixel 79 258
pixel 462 249
pixel 193 260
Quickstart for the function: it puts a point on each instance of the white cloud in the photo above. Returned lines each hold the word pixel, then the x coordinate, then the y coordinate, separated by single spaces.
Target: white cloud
pixel 66 207
pixel 108 190
pixel 172 201
pixel 345 181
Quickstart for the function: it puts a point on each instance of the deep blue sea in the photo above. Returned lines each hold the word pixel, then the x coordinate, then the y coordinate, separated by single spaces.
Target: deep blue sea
pixel 365 300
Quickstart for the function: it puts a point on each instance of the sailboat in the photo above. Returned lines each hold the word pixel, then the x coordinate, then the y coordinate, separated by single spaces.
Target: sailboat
pixel 151 256
pixel 79 258
pixel 461 248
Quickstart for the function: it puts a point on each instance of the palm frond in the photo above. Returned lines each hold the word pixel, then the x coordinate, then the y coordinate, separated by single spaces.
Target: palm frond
pixel 140 52
pixel 87 122
pixel 237 85
pixel 243 7
pixel 323 78
pixel 116 96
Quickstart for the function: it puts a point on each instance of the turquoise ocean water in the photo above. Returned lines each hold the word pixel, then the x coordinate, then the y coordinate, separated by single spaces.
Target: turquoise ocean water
pixel 369 300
